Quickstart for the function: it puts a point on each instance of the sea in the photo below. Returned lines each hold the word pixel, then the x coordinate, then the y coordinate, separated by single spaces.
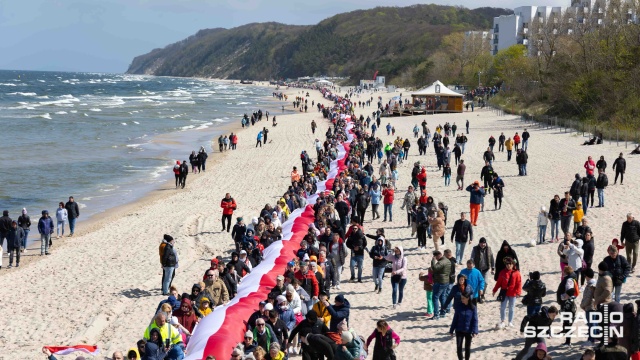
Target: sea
pixel 107 139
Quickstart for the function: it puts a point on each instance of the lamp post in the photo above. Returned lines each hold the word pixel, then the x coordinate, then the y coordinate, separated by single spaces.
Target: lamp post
pixel 479 73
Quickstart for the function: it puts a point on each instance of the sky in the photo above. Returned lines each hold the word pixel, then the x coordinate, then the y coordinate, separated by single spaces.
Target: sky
pixel 105 35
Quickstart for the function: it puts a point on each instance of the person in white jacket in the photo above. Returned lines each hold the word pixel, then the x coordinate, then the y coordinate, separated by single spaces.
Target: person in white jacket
pixel 543 221
pixel 62 217
pixel 574 254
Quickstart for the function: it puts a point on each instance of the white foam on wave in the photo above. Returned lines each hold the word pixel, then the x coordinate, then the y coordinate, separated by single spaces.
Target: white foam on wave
pixel 95 109
pixel 243 103
pixel 187 127
pixel 42 97
pixel 125 124
pixel 160 170
pixel 61 112
pixel 190 102
pixel 23 93
pixel 218 120
pixel 7 84
pixel 204 126
pixel 41 116
pixel 73 111
pixel 134 145
pixel 137 123
pixel 85 114
pixel 41 81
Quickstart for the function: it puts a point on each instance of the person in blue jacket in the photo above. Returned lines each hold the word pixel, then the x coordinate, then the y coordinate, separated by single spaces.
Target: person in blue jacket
pixel 375 193
pixel 475 199
pixel 45 228
pixel 465 320
pixel 339 311
pixel 285 313
pixel 474 278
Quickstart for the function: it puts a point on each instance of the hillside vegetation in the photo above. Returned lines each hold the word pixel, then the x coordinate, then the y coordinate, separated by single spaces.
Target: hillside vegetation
pixel 393 40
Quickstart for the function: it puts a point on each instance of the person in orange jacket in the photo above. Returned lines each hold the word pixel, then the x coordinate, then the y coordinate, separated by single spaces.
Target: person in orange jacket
pixel 228 206
pixel 295 176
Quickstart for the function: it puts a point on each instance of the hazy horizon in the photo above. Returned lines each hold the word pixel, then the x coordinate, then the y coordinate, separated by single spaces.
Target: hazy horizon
pixel 86 36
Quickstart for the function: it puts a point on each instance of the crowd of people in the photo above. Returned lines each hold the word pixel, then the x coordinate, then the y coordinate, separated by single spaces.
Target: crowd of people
pixel 298 316
pixel 16 232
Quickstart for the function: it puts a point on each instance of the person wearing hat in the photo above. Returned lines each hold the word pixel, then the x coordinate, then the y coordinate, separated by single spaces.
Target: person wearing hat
pixel 348 348
pixel 45 228
pixel 339 311
pixel 285 313
pixel 475 200
pixel 246 347
pixel 619 268
pixel 311 325
pixel 238 233
pixel 169 264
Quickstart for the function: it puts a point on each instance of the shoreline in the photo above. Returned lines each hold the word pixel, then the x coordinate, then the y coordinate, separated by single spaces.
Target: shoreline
pixel 155 193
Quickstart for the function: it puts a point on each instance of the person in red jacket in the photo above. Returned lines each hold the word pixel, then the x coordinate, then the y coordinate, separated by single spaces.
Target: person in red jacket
pixel 516 140
pixel 510 285
pixel 388 192
pixel 176 172
pixel 308 282
pixel 422 178
pixel 228 206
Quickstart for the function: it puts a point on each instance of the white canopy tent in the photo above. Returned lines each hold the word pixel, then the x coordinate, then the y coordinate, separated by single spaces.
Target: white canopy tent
pixel 438 98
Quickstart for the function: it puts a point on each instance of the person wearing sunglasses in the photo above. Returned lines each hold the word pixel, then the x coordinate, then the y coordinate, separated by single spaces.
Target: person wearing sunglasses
pixel 264 335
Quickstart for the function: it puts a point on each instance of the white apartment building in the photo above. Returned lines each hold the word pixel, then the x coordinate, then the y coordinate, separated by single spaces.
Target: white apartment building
pixel 514 29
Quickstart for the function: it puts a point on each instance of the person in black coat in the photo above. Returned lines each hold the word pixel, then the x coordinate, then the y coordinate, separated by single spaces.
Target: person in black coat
pixel 505 251
pixel 536 290
pixel 536 323
pixel 311 325
pixel 620 166
pixel 630 237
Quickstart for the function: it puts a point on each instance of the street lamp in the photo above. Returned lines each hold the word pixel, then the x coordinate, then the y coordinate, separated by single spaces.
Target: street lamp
pixel 479 72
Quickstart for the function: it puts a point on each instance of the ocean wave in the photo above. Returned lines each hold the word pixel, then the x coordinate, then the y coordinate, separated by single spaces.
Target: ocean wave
pixel 42 97
pixel 41 81
pixel 7 84
pixel 95 109
pixel 137 123
pixel 218 120
pixel 191 102
pixel 243 103
pixel 68 96
pixel 41 116
pixel 204 126
pixel 73 111
pixel 60 112
pixel 134 145
pixel 160 170
pixel 23 94
pixel 125 124
pixel 188 127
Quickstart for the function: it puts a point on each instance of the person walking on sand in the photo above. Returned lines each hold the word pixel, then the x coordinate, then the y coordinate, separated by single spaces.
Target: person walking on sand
pixel 543 221
pixel 464 325
pixel 441 269
pixel 525 140
pixel 24 221
pixel 176 173
pixel 467 125
pixel 73 213
pixel 536 290
pixel 475 200
pixel 388 193
pixel 619 268
pixel 184 171
pixel 45 229
pixel 169 264
pixel 510 285
pixel 386 342
pixel 14 240
pixel 313 126
pixel 460 175
pixel 398 274
pixel 630 238
pixel 228 205
pixel 194 161
pixel 537 324
pixel 427 279
pixel 438 228
pixel 498 191
pixel 462 232
pixel 259 139
pixel 265 133
pixel 482 257
pixel 202 155
pixel 378 253
pixel 601 183
pixel 61 218
pixel 501 140
pixel 619 166
pixel 509 144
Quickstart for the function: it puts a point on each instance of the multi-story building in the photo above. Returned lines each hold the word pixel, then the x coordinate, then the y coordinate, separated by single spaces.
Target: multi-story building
pixel 515 29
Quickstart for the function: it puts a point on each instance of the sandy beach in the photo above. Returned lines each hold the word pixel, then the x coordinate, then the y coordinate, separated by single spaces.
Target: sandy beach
pixel 102 287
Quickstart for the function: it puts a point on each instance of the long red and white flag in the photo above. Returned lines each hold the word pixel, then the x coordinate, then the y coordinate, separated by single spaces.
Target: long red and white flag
pixel 64 350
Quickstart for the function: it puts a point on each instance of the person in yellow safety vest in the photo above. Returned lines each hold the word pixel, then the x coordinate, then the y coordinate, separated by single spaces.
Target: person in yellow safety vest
pixel 170 335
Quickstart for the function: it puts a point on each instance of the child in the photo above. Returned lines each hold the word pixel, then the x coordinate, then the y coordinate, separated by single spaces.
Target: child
pixel 394 178
pixel 205 308
pixel 401 155
pixel 379 156
pixel 578 214
pixel 393 131
pixel 543 221
pixel 428 287
pixel 447 174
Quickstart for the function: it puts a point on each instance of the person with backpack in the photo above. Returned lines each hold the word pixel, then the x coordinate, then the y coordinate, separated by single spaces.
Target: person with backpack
pixel 536 290
pixel 510 285
pixel 534 324
pixel 169 264
pixel 378 253
pixel 601 183
pixel 357 242
pixel 567 291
